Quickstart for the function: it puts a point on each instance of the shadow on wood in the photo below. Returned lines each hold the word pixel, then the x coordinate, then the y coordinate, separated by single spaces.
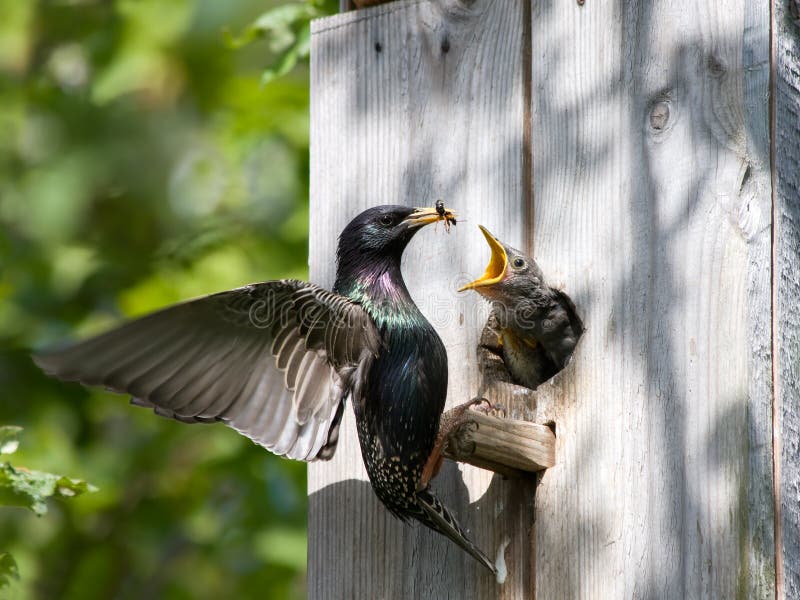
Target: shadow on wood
pixel 367 555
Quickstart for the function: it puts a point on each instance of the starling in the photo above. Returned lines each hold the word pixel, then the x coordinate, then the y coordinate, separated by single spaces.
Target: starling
pixel 537 326
pixel 277 360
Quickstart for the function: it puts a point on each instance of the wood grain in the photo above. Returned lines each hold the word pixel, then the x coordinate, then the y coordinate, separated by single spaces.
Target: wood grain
pixel 502 445
pixel 414 101
pixel 786 286
pixel 651 186
pixel 651 181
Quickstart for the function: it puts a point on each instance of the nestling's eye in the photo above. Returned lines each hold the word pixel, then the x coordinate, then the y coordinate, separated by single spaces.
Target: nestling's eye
pixel 518 263
pixel 386 220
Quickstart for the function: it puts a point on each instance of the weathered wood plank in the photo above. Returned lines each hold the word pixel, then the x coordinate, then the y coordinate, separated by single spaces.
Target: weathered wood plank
pixel 651 175
pixel 786 268
pixel 651 185
pixel 757 574
pixel 503 445
pixel 413 101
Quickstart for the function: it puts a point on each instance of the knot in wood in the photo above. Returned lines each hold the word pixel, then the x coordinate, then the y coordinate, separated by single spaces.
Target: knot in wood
pixel 715 66
pixel 659 115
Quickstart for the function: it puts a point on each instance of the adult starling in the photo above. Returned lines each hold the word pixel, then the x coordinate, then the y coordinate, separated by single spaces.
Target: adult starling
pixel 277 360
pixel 537 326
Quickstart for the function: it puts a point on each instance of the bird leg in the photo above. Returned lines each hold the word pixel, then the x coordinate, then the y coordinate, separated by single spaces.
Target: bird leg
pixel 450 422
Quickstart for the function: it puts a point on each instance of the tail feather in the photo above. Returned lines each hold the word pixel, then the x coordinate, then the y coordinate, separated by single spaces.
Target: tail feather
pixel 438 518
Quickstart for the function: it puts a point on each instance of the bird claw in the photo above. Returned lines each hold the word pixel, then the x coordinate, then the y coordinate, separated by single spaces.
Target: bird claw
pixel 484 406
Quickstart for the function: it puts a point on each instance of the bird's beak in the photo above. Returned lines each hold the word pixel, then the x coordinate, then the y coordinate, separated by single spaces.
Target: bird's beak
pixel 426 216
pixel 496 268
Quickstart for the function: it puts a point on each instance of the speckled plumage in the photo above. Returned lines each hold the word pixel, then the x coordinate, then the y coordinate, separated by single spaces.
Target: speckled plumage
pixel 400 398
pixel 277 360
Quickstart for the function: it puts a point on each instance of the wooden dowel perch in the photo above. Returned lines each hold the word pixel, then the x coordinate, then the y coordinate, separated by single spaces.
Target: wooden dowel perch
pixel 509 447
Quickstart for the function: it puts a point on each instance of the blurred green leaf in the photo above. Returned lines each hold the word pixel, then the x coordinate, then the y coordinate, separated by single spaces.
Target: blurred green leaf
pixel 283 545
pixel 9 572
pixel 142 162
pixel 15 19
pixel 31 489
pixel 278 26
pixel 287 31
pixel 8 439
pixel 299 49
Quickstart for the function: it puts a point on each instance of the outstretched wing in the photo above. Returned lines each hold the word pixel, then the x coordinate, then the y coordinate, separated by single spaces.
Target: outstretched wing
pixel 272 360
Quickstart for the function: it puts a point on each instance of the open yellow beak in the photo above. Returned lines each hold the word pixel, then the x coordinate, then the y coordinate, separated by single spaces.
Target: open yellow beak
pixel 496 268
pixel 426 216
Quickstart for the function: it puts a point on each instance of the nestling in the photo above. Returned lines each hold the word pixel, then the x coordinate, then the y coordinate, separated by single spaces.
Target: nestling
pixel 537 325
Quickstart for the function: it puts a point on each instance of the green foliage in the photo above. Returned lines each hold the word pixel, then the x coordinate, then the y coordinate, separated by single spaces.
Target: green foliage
pixel 142 162
pixel 287 29
pixel 8 439
pixel 31 489
pixel 9 572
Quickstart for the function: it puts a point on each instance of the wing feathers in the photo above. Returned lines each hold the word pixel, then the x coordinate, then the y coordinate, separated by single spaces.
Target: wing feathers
pixel 295 360
pixel 142 375
pixel 271 360
pixel 312 387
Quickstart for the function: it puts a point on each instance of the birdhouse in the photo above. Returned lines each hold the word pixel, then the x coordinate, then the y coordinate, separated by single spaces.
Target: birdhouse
pixel 632 152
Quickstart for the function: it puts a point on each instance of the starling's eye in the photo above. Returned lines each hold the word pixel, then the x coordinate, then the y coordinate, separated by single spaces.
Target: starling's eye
pixel 387 220
pixel 518 263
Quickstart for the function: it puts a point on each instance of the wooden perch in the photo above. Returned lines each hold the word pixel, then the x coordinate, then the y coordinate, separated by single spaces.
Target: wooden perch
pixel 514 448
pixel 507 446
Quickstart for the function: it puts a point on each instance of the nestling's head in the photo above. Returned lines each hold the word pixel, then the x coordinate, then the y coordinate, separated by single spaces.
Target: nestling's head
pixel 510 273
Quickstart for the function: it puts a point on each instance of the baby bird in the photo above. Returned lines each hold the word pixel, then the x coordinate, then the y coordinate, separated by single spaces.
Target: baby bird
pixel 537 326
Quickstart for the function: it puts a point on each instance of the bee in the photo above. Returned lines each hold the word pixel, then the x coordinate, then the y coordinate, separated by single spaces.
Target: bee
pixel 444 215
